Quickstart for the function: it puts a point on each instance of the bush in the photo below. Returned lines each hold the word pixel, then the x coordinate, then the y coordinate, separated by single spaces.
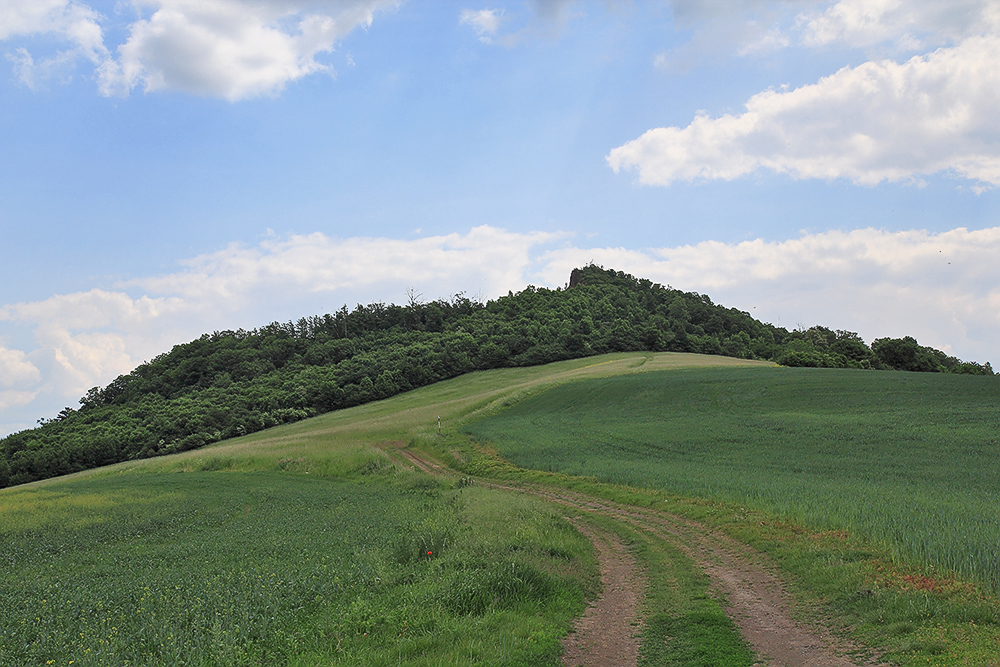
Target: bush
pixel 496 586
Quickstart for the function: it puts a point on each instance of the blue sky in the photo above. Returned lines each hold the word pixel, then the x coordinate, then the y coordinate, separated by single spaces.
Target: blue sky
pixel 171 167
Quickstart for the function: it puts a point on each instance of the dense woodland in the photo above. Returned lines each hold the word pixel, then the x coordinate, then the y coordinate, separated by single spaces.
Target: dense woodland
pixel 230 383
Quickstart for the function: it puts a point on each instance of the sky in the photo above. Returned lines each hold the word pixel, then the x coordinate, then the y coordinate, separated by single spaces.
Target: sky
pixel 175 167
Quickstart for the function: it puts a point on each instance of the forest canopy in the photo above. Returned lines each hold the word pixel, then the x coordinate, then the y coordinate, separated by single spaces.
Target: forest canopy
pixel 229 383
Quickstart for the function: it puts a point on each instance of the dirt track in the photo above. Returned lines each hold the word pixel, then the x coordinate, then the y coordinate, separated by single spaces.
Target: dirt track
pixel 608 632
pixel 756 599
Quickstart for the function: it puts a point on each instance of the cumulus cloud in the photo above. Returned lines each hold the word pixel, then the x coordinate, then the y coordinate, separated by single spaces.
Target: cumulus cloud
pixel 232 49
pixel 88 338
pixel 486 257
pixel 909 25
pixel 16 369
pixel 18 379
pixel 73 24
pixel 942 288
pixel 880 121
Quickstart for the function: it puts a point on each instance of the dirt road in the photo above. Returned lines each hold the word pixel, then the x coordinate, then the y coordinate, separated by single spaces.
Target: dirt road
pixel 756 599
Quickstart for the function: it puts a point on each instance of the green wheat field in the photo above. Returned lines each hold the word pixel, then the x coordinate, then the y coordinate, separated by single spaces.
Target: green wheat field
pixel 307 544
pixel 906 458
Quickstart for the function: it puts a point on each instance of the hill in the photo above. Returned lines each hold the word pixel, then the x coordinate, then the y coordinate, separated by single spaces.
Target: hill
pixel 230 383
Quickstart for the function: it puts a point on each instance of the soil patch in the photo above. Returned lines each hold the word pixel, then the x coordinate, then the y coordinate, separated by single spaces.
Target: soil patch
pixel 608 632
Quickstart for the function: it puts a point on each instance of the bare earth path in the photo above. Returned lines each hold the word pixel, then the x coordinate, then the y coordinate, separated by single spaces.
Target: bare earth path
pixel 756 599
pixel 608 632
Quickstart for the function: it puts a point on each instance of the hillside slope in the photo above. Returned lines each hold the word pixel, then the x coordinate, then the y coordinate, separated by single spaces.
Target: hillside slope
pixel 876 454
pixel 92 557
pixel 230 383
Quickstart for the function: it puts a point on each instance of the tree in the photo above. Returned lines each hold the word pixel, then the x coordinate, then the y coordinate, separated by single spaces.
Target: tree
pixel 904 354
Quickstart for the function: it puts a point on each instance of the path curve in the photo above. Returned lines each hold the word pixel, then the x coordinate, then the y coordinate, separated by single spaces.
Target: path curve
pixel 756 599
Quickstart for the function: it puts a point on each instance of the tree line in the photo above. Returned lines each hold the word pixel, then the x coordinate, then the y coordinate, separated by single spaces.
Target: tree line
pixel 230 383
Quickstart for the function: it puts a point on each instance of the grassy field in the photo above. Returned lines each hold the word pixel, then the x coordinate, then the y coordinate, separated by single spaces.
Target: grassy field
pixel 302 545
pixel 306 544
pixel 216 568
pixel 905 458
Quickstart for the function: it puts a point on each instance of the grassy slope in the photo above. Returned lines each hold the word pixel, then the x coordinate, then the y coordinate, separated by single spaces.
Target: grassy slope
pixel 906 461
pixel 337 449
pixel 307 445
pixel 300 545
pixel 223 568
pixel 906 458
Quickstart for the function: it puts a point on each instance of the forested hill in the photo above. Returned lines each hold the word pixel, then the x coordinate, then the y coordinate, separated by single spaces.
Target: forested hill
pixel 229 383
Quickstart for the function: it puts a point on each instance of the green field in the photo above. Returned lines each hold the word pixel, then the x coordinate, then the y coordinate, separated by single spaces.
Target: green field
pixel 906 458
pixel 217 568
pixel 307 544
pixel 300 545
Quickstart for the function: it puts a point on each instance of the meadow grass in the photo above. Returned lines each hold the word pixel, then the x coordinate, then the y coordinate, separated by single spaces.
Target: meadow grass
pixel 507 573
pixel 300 545
pixel 337 443
pixel 221 568
pixel 909 459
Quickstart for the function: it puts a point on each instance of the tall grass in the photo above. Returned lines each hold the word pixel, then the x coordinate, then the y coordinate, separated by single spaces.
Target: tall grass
pixel 909 459
pixel 301 545
pixel 221 568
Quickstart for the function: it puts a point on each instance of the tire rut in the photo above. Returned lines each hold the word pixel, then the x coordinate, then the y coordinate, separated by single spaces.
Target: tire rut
pixel 608 631
pixel 755 599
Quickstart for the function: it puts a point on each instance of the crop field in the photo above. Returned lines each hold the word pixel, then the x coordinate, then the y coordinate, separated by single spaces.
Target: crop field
pixel 317 543
pixel 908 459
pixel 217 568
pixel 300 545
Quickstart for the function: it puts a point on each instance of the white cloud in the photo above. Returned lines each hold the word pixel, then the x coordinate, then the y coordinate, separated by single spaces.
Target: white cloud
pixel 908 25
pixel 943 288
pixel 233 49
pixel 880 121
pixel 313 264
pixel 18 379
pixel 485 22
pixel 91 337
pixel 72 23
pixel 76 22
pixel 16 369
pixel 88 338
